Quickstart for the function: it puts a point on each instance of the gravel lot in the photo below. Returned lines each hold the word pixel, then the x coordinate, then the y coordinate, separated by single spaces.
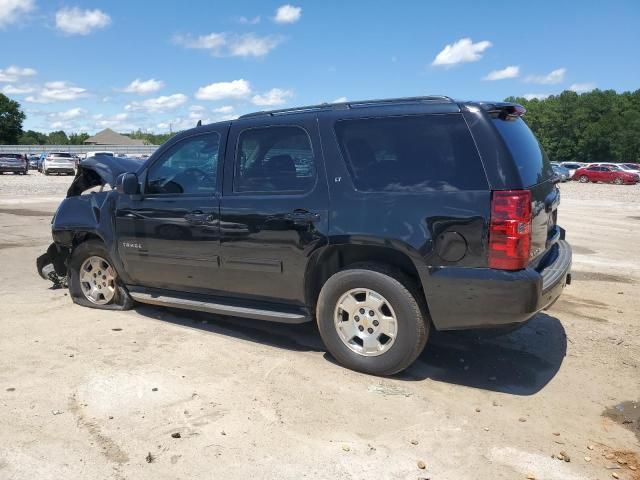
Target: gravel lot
pixel 95 395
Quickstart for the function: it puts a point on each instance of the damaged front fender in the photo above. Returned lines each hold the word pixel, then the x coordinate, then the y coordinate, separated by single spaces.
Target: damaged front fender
pixel 52 265
pixel 83 216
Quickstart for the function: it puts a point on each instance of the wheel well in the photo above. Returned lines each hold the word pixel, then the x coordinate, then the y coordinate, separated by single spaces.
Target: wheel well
pixel 81 237
pixel 336 258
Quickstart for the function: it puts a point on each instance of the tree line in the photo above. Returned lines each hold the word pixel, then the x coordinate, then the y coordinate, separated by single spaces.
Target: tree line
pixel 601 125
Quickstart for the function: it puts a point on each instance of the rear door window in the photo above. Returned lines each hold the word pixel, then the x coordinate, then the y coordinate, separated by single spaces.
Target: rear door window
pixel 525 149
pixel 417 153
pixel 275 159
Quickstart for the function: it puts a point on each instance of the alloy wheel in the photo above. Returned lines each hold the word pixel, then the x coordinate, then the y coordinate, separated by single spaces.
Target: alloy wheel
pixel 97 280
pixel 366 322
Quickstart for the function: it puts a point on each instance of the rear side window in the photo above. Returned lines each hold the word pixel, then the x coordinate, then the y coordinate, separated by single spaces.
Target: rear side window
pixel 274 160
pixel 411 154
pixel 525 149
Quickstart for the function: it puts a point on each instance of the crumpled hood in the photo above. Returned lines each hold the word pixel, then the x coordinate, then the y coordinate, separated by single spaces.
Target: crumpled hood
pixel 99 170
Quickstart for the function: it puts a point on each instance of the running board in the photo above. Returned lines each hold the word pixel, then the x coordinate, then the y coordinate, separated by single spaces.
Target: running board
pixel 218 308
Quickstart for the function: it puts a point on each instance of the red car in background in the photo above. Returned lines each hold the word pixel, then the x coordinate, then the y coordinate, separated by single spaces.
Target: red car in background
pixel 596 173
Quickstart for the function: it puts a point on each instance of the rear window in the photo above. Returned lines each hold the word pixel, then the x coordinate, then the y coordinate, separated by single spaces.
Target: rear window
pixel 10 155
pixel 411 154
pixel 528 154
pixel 62 155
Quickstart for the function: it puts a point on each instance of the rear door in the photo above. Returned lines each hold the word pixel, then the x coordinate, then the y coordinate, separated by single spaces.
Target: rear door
pixel 274 209
pixel 536 175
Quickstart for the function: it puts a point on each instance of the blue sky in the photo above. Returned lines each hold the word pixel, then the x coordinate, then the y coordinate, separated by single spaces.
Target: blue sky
pixel 73 64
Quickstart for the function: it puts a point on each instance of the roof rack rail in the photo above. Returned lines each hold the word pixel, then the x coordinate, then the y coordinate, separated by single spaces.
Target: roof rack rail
pixel 354 104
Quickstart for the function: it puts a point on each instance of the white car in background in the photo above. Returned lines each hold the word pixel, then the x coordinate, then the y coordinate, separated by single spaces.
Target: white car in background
pixel 100 152
pixel 59 162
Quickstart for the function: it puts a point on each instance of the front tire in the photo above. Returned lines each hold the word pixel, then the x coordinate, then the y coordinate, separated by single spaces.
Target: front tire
pixel 372 319
pixel 584 179
pixel 617 181
pixel 93 282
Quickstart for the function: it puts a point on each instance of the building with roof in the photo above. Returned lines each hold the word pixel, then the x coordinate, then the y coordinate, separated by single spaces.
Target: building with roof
pixel 109 137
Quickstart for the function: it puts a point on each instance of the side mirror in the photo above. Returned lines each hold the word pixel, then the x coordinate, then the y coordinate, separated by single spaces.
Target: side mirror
pixel 127 184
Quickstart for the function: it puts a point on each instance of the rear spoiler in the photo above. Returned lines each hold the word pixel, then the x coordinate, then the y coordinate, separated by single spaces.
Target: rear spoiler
pixel 502 110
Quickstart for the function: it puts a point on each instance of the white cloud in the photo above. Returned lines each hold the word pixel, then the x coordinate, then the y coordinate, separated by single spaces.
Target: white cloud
pixel 464 50
pixel 231 45
pixel 75 21
pixel 555 76
pixel 163 103
pixel 287 14
pixel 59 91
pixel 143 87
pixel 340 100
pixel 250 45
pixel 235 89
pixel 67 115
pixel 275 96
pixel 512 71
pixel 12 10
pixel 582 87
pixel 13 73
pixel 537 96
pixel 226 110
pixel 249 21
pixel 18 89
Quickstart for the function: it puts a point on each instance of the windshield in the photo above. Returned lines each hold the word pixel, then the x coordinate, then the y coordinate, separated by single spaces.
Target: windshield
pixel 10 155
pixel 527 152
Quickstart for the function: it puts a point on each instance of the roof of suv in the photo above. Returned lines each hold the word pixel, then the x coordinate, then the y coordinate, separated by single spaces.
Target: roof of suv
pixel 432 99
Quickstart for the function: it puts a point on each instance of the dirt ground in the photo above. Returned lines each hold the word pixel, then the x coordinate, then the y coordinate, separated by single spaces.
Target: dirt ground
pixel 99 395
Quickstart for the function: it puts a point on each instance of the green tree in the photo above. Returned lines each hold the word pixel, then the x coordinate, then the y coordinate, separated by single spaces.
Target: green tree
pixel 32 138
pixel 601 125
pixel 58 138
pixel 78 138
pixel 11 118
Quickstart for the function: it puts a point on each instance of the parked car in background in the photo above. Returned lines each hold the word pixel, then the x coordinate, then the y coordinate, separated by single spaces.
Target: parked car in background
pixel 33 161
pixel 596 173
pixel 615 166
pixel 572 167
pixel 328 213
pixel 14 163
pixel 59 162
pixel 562 172
pixel 99 152
pixel 632 166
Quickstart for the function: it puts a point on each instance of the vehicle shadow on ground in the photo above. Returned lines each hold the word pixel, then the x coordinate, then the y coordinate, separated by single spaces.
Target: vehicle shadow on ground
pixel 520 363
pixel 299 338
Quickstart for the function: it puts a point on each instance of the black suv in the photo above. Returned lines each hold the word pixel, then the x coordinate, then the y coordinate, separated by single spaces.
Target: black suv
pixel 379 219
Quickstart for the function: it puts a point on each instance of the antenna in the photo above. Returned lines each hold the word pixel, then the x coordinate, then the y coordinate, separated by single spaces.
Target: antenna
pixel 199 124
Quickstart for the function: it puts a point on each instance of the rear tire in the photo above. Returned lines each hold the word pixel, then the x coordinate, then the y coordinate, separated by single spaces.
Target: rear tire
pixel 116 296
pixel 398 310
pixel 617 181
pixel 584 179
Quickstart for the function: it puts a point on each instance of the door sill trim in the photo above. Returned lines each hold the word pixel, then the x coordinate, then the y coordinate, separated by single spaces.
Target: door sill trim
pixel 217 308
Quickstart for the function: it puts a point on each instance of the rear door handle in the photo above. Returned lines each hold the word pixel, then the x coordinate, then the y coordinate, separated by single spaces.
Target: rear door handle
pixel 302 216
pixel 199 217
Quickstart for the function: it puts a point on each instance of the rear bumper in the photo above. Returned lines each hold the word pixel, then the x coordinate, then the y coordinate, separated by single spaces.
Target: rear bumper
pixel 59 169
pixel 467 298
pixel 12 168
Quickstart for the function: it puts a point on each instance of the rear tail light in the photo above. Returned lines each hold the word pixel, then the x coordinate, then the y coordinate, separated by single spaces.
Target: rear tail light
pixel 510 229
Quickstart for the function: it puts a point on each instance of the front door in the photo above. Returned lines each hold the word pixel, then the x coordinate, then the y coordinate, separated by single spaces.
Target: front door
pixel 274 211
pixel 169 238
